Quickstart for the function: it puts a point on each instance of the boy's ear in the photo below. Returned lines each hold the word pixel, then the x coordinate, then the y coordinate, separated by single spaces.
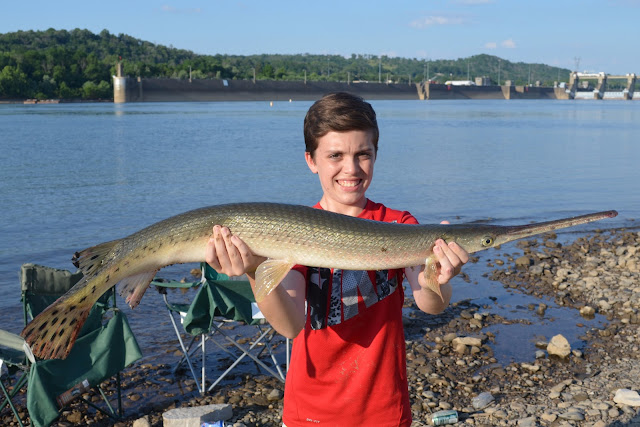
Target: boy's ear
pixel 312 165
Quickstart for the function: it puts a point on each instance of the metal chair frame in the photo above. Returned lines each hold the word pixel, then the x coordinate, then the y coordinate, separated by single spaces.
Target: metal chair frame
pixel 190 349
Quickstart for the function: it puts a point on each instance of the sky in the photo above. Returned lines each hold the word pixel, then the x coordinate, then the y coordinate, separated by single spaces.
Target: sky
pixel 585 35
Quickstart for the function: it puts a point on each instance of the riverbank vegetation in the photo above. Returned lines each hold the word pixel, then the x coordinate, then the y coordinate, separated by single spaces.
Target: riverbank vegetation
pixel 79 64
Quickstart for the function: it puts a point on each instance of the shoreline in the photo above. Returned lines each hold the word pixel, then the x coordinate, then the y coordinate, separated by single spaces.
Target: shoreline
pixel 450 358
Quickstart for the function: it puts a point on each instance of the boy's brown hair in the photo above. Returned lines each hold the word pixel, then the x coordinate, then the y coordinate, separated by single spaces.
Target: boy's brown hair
pixel 339 112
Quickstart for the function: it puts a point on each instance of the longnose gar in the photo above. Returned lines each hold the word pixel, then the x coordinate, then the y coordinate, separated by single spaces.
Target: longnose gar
pixel 286 234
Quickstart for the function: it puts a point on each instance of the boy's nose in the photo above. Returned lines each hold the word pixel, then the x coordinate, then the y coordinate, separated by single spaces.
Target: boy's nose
pixel 351 165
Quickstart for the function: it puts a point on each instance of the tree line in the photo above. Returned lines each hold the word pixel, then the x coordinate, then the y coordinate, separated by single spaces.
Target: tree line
pixel 79 64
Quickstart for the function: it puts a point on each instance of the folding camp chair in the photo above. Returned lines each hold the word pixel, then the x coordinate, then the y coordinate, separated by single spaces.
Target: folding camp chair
pixel 218 301
pixel 106 345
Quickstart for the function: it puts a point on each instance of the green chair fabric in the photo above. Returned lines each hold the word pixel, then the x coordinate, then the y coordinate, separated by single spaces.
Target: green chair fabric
pixel 94 357
pixel 106 345
pixel 230 299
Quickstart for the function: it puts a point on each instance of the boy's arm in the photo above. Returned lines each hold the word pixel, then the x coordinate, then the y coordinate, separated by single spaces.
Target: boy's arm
pixel 451 258
pixel 284 306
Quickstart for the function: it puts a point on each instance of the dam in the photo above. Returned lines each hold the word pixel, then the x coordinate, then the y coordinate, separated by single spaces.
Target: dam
pixel 128 89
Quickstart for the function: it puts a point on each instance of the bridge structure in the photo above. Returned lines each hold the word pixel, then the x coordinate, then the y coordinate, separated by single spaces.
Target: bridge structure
pixel 600 90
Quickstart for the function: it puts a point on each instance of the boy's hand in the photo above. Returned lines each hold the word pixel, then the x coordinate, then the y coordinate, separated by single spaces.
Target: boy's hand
pixel 451 258
pixel 228 254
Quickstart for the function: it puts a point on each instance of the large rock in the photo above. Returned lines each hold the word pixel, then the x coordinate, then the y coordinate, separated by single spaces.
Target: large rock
pixel 142 422
pixel 559 346
pixel 524 261
pixel 194 417
pixel 627 397
pixel 471 341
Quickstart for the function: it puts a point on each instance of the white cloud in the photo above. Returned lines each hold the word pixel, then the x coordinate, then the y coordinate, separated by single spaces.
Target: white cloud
pixel 508 43
pixel 432 20
pixel 170 9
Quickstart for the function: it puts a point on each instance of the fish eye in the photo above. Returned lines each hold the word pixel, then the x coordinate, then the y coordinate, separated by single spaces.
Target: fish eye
pixel 487 241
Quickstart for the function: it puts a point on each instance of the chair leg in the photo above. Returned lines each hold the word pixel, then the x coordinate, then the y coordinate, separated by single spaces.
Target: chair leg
pixel 204 358
pixel 183 358
pixel 185 351
pixel 9 396
pixel 119 391
pixel 245 352
pixel 288 352
pixel 273 357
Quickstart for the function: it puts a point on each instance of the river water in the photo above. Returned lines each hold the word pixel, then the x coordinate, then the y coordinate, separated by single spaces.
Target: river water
pixel 74 175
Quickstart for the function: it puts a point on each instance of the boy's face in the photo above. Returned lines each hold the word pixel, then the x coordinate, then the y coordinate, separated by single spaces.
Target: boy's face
pixel 344 163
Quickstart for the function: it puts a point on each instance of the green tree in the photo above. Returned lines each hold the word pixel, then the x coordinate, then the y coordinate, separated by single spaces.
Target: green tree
pixel 89 90
pixel 65 92
pixel 13 83
pixel 48 88
pixel 104 90
pixel 267 71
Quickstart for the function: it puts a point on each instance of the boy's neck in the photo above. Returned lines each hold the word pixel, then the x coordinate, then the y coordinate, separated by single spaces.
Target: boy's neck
pixel 350 210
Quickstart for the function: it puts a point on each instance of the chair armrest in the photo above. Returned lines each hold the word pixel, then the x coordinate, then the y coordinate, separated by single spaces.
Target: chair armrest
pixel 11 340
pixel 16 346
pixel 162 285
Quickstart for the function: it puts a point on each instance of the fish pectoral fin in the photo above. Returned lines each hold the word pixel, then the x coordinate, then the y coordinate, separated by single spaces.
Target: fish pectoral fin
pixel 132 288
pixel 269 274
pixel 431 275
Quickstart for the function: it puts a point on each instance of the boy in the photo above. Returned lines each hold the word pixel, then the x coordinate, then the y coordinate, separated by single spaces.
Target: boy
pixel 348 363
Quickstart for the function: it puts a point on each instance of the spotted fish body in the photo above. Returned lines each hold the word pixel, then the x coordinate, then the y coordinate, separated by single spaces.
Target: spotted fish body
pixel 286 234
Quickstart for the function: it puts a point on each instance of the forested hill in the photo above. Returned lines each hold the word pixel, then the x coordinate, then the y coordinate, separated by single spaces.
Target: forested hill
pixel 79 64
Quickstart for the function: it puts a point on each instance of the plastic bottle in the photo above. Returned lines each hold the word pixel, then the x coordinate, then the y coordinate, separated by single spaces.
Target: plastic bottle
pixel 72 393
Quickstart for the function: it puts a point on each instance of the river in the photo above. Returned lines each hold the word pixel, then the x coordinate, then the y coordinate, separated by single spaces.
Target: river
pixel 75 175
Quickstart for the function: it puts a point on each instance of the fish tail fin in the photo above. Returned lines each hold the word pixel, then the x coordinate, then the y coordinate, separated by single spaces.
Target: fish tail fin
pixel 90 260
pixel 52 333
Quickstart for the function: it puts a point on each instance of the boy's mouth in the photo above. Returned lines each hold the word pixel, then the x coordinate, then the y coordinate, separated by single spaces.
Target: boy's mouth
pixel 349 183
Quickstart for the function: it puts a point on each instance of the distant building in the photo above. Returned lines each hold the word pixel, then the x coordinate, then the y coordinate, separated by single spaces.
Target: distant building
pixel 459 83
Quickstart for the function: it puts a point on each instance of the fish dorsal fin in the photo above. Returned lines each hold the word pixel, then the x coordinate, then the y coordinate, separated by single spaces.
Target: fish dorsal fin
pixel 91 259
pixel 269 275
pixel 132 288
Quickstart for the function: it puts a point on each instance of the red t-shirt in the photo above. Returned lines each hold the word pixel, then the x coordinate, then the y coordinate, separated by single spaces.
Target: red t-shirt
pixel 348 365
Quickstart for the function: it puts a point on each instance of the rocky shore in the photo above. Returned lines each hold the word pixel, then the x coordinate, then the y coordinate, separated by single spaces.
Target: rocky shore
pixel 450 357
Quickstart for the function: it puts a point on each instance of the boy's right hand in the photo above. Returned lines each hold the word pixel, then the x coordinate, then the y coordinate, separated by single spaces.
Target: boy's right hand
pixel 228 254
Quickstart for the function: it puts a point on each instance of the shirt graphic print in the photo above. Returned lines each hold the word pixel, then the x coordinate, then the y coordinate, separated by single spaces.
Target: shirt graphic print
pixel 335 296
